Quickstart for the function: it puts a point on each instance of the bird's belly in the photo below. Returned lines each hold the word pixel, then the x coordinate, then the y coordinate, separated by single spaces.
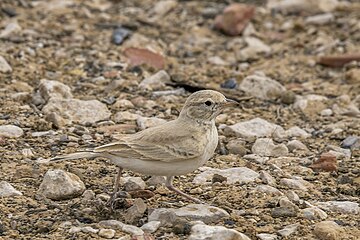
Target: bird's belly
pixel 157 168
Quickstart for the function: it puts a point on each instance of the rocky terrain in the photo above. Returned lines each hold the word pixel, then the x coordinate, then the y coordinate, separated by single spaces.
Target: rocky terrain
pixel 76 74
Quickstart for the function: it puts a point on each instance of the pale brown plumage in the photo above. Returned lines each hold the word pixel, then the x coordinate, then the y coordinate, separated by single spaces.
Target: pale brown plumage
pixel 174 148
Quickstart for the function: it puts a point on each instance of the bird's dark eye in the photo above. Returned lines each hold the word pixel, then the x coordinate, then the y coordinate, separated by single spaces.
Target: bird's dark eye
pixel 208 103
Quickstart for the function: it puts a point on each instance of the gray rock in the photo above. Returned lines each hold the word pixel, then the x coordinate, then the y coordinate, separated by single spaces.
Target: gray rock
pixel 352 142
pixel 117 225
pixel 156 180
pixel 297 132
pixel 74 110
pixel 133 183
pixel 266 147
pixel 156 81
pixel 296 6
pixel 10 131
pixel 59 185
pixel 268 190
pixel 286 209
pixel 88 195
pixel 254 128
pixel 266 236
pixel 10 28
pixel 107 233
pixel 292 196
pixel 288 230
pixel 297 184
pixel 254 47
pixel 192 212
pixel 262 87
pixel 146 122
pixel 151 227
pixel 340 153
pixel 54 89
pixel 313 213
pixel 205 232
pixel 6 190
pixel 233 175
pixel 136 211
pixel 256 158
pixel 125 116
pixel 4 65
pixel 294 145
pixel 320 19
pixel 344 207
pixel 88 229
pixel 267 178
pixel 236 146
pixel 326 112
pixel 328 230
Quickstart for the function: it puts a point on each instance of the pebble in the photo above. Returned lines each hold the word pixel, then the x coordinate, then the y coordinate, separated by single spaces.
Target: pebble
pixel 297 132
pixel 10 131
pixel 230 83
pixel 268 190
pixel 119 35
pixel 54 89
pixel 296 184
pixel 352 76
pixel 326 112
pixel 192 212
pixel 340 153
pixel 181 226
pixel 151 226
pixel 156 81
pixel 266 147
pixel 288 97
pixel 296 6
pixel 311 104
pixel 88 195
pixel 254 128
pixel 6 190
pixel 205 232
pixel 133 183
pixel 328 230
pixel 107 233
pixel 320 19
pixel 117 225
pixel 267 236
pixel 4 65
pixel 288 230
pixel 156 181
pixel 88 229
pixel 123 103
pixel 237 147
pixel 267 178
pixel 313 213
pixel 262 87
pixel 147 122
pixel 125 116
pixel 352 142
pixel 136 211
pixel 10 28
pixel 239 174
pixel 60 185
pixel 161 8
pixel 292 196
pixel 80 111
pixel 295 145
pixel 344 207
pixel 254 47
pixel 327 162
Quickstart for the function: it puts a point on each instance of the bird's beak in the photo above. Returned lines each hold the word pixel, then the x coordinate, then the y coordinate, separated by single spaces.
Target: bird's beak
pixel 230 103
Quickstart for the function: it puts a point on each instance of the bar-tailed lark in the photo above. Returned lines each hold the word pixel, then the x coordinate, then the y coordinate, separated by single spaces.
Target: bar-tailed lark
pixel 174 148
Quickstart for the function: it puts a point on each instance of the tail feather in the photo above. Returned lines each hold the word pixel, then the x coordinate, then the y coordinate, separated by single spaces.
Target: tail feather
pixel 73 156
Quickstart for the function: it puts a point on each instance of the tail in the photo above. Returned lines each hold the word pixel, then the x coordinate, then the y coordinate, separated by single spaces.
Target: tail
pixel 77 155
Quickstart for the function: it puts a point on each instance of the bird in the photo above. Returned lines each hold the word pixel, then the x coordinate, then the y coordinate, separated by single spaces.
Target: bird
pixel 174 148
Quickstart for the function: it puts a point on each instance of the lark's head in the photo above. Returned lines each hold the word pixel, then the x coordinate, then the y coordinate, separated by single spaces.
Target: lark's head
pixel 205 105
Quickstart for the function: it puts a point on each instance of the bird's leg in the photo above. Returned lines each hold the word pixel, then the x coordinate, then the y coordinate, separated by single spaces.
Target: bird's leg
pixel 172 188
pixel 116 188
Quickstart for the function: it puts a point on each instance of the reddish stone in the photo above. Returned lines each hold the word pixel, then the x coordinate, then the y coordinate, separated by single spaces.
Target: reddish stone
pixel 327 162
pixel 139 56
pixel 234 18
pixel 339 60
pixel 142 194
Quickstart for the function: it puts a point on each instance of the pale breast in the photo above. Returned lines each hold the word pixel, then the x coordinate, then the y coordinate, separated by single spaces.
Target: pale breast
pixel 212 142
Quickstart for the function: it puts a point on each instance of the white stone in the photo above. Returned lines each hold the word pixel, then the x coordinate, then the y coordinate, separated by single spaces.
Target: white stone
pixel 296 184
pixel 73 230
pixel 10 131
pixel 233 175
pixel 266 236
pixel 288 230
pixel 125 116
pixel 133 183
pixel 344 207
pixel 296 145
pixel 297 132
pixel 192 212
pixel 314 213
pixel 267 178
pixel 59 185
pixel 10 28
pixel 151 226
pixel 266 147
pixel 88 229
pixel 256 158
pixel 156 180
pixel 254 47
pixel 262 87
pixel 4 65
pixel 308 6
pixel 310 104
pixel 205 232
pixel 74 110
pixel 254 128
pixel 156 81
pixel 320 19
pixel 326 112
pixel 147 122
pixel 268 190
pixel 55 89
pixel 107 233
pixel 6 190
pixel 117 225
